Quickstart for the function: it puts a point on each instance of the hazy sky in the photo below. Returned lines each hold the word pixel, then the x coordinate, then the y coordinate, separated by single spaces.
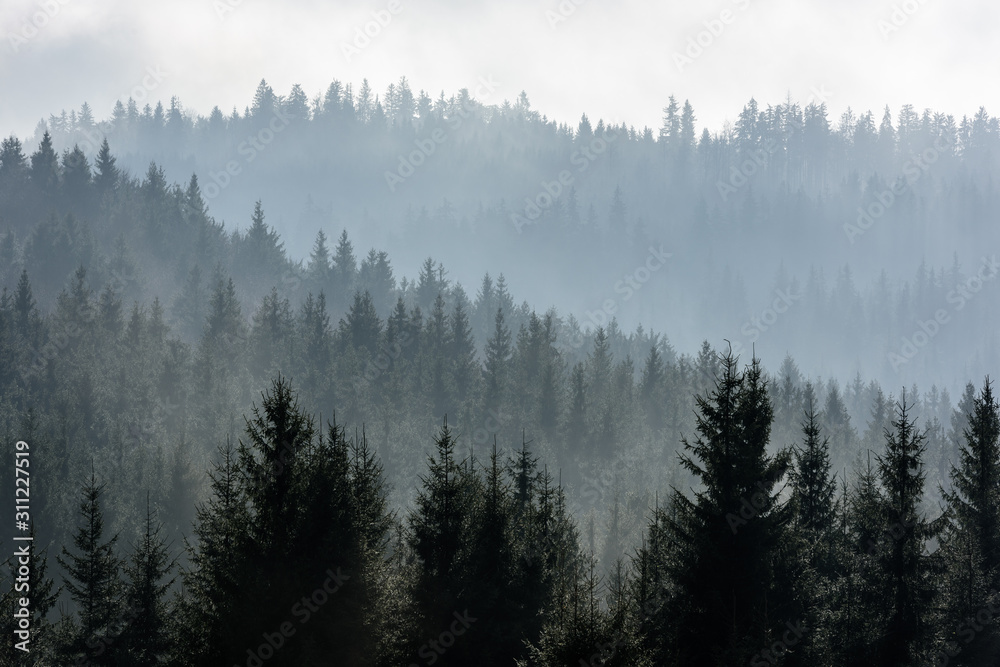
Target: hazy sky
pixel 614 60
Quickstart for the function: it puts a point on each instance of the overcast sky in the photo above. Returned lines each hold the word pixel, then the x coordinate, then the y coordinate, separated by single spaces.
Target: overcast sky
pixel 615 60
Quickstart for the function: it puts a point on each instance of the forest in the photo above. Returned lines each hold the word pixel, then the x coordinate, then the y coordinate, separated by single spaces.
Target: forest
pixel 878 218
pixel 246 455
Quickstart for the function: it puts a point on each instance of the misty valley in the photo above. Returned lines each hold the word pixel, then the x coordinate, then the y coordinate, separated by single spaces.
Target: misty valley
pixel 398 380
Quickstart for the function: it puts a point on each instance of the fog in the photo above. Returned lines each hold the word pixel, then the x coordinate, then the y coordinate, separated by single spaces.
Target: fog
pixel 647 335
pixel 786 210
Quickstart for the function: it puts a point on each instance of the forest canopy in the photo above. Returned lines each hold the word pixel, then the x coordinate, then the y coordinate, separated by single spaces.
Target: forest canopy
pixel 246 454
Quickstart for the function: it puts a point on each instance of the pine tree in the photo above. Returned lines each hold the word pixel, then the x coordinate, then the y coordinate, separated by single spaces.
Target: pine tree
pixel 188 307
pixel 726 540
pixel 972 534
pixel 501 609
pixel 145 636
pixel 376 277
pixel 45 167
pixel 428 285
pixel 272 343
pixel 345 269
pixel 362 328
pixel 497 366
pixel 902 561
pixel 262 254
pixel 27 322
pixel 836 423
pixel 651 390
pixel 13 163
pixel 813 487
pixel 315 345
pixel 214 611
pixel 92 582
pixel 108 174
pixel 439 529
pixel 462 355
pixel 318 270
pixel 77 179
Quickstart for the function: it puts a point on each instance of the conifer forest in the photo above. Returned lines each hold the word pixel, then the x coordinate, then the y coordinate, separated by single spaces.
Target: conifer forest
pixel 389 371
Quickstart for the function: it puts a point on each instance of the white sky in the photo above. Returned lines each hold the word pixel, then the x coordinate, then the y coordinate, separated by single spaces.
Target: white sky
pixel 611 59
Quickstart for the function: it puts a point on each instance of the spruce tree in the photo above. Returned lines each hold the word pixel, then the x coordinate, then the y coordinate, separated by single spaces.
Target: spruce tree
pixel 813 487
pixel 725 604
pixel 214 610
pixel 496 370
pixel 651 390
pixel 901 560
pixel 108 174
pixel 439 528
pixel 92 581
pixel 972 532
pixel 45 167
pixel 145 639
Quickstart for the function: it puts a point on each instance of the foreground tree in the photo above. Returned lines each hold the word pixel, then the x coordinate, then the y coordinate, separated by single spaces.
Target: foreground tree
pixel 145 640
pixel 972 532
pixel 93 584
pixel 901 560
pixel 721 552
pixel 290 548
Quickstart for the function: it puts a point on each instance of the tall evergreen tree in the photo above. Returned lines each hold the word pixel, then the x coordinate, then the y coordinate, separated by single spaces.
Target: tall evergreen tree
pixel 45 167
pixel 902 560
pixel 145 639
pixel 972 534
pixel 439 529
pixel 726 604
pixel 813 487
pixel 497 365
pixel 93 583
